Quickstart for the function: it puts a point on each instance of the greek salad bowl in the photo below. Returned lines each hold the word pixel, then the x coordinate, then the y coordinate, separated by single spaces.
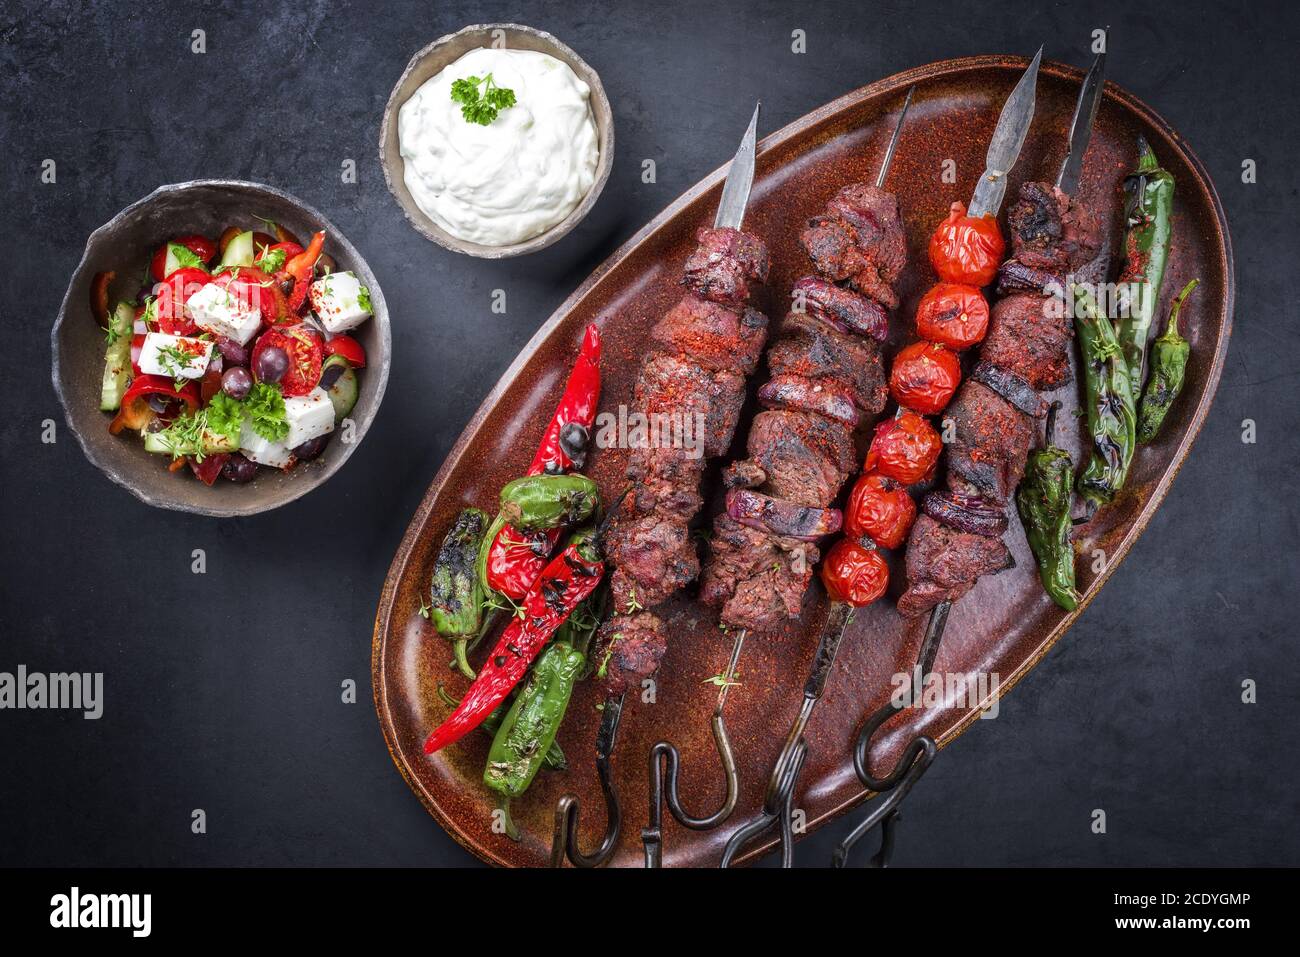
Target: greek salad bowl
pixel 221 348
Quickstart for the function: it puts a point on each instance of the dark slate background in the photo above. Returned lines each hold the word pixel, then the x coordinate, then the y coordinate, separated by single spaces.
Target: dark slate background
pixel 223 690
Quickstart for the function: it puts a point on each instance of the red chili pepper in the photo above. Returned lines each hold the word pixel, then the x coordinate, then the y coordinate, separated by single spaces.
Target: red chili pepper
pixel 967 249
pixel 300 267
pixel 854 574
pixel 512 566
pixel 569 578
pixel 135 412
pixel 904 448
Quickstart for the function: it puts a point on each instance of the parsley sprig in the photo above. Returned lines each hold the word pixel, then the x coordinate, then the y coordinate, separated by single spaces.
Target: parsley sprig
pixel 265 410
pixel 481 107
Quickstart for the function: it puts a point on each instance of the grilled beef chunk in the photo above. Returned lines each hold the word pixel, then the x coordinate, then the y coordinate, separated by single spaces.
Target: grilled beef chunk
pixel 844 309
pixel 805 395
pixel 743 474
pixel 653 556
pixel 1050 233
pixel 806 458
pixel 677 395
pixel 860 238
pixel 630 646
pixel 813 350
pixel 1029 335
pixel 724 263
pixel 757 578
pixel 711 335
pixel 943 564
pixel 992 441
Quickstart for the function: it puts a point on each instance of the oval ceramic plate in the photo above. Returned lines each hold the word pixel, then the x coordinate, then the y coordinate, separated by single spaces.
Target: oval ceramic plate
pixel 1004 625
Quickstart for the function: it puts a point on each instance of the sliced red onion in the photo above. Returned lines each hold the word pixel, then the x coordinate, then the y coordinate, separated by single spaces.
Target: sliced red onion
pixel 965 513
pixel 1012 388
pixel 842 308
pixel 806 395
pixel 779 517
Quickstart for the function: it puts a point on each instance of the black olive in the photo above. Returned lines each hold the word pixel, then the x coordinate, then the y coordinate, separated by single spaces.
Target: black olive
pixel 286 286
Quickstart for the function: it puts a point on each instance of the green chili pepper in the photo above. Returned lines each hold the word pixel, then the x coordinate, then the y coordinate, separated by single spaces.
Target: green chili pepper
pixel 538 502
pixel 1044 500
pixel 530 726
pixel 1112 413
pixel 1146 251
pixel 554 760
pixel 1169 356
pixel 456 595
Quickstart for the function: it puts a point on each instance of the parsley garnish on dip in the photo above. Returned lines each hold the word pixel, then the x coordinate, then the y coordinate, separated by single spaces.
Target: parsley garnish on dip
pixel 515 176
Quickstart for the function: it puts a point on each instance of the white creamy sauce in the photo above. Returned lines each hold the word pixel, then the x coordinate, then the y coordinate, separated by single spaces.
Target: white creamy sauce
pixel 516 177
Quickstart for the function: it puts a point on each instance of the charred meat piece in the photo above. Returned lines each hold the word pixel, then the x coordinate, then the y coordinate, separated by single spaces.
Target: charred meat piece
pixel 992 440
pixel 813 350
pixel 757 578
pixel 1049 233
pixel 780 517
pixel 712 335
pixel 1029 335
pixel 806 458
pixel 943 564
pixel 1015 276
pixel 806 395
pixel 844 309
pixel 629 648
pixel 743 474
pixel 724 263
pixel 860 239
pixel 653 556
pixel 678 397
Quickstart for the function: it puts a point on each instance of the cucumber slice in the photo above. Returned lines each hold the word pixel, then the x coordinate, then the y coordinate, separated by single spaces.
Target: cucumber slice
pixel 212 443
pixel 180 257
pixel 343 395
pixel 117 358
pixel 239 252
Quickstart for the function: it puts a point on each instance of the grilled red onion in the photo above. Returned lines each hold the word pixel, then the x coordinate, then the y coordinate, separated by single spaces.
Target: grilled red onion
pixel 1015 276
pixel 966 513
pixel 1012 388
pixel 806 395
pixel 779 517
pixel 842 308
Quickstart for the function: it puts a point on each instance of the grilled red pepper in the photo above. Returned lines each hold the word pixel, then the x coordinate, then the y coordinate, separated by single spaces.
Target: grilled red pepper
pixel 135 412
pixel 514 560
pixel 569 578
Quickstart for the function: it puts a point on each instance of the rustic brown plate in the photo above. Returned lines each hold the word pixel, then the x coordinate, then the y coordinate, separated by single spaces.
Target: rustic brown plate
pixel 1004 626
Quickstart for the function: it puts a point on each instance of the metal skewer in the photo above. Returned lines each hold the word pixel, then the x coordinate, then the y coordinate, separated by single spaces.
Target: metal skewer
pixel 921 750
pixel 564 842
pixel 778 799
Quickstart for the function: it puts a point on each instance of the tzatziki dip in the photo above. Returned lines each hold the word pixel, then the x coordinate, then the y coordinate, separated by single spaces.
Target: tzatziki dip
pixel 515 176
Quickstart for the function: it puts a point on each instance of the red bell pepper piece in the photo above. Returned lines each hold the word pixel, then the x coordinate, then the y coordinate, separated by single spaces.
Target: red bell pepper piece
pixel 300 268
pixel 135 412
pixel 569 578
pixel 99 297
pixel 512 568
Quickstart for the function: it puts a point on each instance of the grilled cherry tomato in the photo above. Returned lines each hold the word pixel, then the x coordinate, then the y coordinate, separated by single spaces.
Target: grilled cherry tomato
pixel 880 509
pixel 304 350
pixel 953 315
pixel 348 348
pixel 169 310
pixel 904 449
pixel 200 246
pixel 924 377
pixel 854 574
pixel 967 249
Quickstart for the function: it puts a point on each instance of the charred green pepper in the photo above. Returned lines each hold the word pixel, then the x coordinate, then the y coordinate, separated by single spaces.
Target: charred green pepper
pixel 1044 500
pixel 1109 400
pixel 1146 251
pixel 456 594
pixel 554 759
pixel 1169 355
pixel 538 502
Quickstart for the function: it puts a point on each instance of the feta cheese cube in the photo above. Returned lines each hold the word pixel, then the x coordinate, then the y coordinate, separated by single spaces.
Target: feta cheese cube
pixel 340 301
pixel 309 416
pixel 176 357
pixel 263 451
pixel 225 312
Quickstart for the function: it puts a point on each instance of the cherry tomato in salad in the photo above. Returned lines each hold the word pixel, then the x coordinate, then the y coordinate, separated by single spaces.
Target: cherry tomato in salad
pixel 348 349
pixel 305 352
pixel 200 246
pixel 967 249
pixel 880 509
pixel 953 315
pixel 924 377
pixel 904 449
pixel 260 290
pixel 854 574
pixel 173 292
